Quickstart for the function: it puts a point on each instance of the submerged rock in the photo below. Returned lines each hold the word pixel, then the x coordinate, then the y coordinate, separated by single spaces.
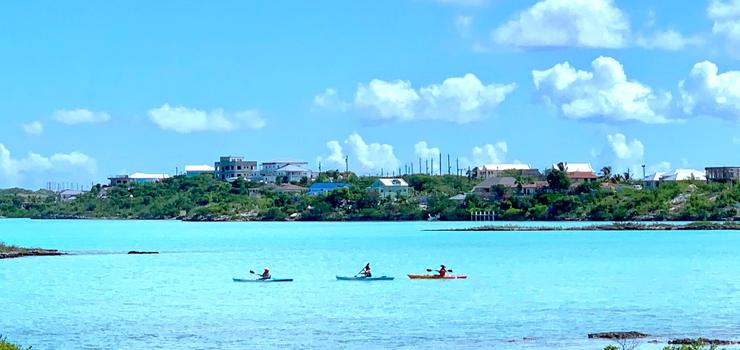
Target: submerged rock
pixel 617 335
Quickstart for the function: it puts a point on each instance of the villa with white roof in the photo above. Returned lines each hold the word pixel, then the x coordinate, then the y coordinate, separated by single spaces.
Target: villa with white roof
pixel 293 171
pixel 390 187
pixel 196 170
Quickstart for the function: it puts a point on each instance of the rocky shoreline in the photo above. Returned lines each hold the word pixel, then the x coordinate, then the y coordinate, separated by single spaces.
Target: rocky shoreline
pixel 10 252
pixel 618 226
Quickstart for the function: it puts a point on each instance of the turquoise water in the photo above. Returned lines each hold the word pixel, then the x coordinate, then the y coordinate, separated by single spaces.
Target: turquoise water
pixel 525 289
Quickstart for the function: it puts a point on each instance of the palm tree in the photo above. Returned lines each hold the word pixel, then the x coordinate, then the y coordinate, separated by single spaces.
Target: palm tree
pixel 562 166
pixel 606 173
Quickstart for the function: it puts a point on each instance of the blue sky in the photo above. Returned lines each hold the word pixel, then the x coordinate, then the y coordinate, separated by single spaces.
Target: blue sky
pixel 94 89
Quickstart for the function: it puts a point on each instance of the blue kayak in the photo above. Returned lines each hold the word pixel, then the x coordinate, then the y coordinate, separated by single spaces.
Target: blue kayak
pixel 263 281
pixel 379 278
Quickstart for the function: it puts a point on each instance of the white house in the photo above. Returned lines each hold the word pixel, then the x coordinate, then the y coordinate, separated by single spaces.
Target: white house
pixel 576 168
pixel 390 187
pixel 69 195
pixel 685 175
pixel 293 173
pixel 271 170
pixel 195 170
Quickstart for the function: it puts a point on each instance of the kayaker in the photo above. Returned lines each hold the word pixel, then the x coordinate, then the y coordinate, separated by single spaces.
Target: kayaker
pixel 442 271
pixel 366 271
pixel 265 274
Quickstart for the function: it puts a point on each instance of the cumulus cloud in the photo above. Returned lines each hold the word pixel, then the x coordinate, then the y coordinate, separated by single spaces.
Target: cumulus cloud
pixel 490 153
pixel 34 128
pixel 459 99
pixel 422 150
pixel 667 40
pixel 329 99
pixel 725 16
pixel 336 154
pixel 605 94
pixel 370 156
pixel 566 23
pixel 633 150
pixel 186 120
pixel 13 170
pixel 79 116
pixel 707 92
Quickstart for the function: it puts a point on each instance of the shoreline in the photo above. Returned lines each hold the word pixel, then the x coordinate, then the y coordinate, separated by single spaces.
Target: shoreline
pixel 616 226
pixel 12 252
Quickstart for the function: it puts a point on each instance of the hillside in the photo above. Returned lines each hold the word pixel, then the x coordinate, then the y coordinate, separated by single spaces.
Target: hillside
pixel 203 198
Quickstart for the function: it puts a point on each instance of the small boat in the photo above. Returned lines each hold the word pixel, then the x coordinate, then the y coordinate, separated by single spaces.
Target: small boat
pixel 437 277
pixel 262 281
pixel 356 278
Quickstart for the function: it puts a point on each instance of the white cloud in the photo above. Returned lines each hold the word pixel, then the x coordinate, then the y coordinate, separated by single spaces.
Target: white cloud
pixel 458 99
pixel 667 40
pixel 336 154
pixel 329 99
pixel 633 150
pixel 604 94
pixel 34 128
pixel 79 116
pixel 13 170
pixel 422 150
pixel 372 156
pixel 726 22
pixel 566 23
pixel 395 99
pixel 705 92
pixel 490 153
pixel 186 120
pixel 463 24
pixel 663 166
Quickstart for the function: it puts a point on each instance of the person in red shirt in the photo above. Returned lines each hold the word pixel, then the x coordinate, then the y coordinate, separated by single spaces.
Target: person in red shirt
pixel 265 274
pixel 442 271
pixel 366 271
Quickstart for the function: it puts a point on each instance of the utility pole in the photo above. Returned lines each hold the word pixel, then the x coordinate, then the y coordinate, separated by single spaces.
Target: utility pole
pixel 449 167
pixel 457 166
pixel 426 164
pixel 440 163
pixel 346 164
pixel 432 173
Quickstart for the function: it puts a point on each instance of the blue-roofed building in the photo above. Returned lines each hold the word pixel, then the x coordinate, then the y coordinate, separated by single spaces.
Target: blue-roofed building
pixel 318 188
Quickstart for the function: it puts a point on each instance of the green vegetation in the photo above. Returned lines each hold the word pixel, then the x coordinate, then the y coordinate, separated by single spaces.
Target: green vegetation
pixel 203 198
pixel 6 345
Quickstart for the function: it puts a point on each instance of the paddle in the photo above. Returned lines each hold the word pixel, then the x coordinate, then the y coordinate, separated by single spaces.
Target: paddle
pixel 430 270
pixel 254 273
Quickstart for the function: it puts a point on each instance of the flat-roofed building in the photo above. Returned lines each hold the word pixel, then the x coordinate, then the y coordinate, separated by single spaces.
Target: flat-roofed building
pixel 230 168
pixel 723 174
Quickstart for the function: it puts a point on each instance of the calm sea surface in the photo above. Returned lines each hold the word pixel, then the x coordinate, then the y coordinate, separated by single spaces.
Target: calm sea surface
pixel 529 290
